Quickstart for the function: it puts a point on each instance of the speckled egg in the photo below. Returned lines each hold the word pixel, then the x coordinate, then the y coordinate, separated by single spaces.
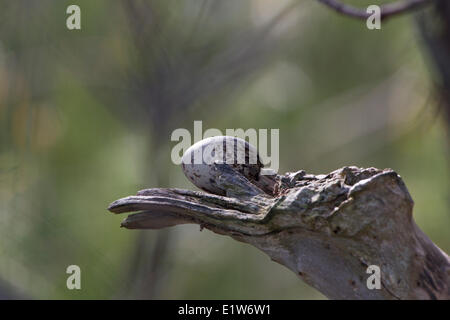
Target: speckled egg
pixel 198 161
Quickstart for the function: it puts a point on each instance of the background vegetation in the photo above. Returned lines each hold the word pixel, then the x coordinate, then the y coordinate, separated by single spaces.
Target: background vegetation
pixel 86 117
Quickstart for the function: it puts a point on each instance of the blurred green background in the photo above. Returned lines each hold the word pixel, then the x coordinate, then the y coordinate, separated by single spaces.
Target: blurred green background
pixel 86 117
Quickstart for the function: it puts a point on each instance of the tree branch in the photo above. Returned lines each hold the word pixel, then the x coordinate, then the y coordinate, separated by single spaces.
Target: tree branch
pixel 387 10
pixel 327 229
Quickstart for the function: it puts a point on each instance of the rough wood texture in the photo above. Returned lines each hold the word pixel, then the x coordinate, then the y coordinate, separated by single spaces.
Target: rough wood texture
pixel 327 229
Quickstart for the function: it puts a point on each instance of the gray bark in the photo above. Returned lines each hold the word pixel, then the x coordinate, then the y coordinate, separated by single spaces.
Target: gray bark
pixel 327 229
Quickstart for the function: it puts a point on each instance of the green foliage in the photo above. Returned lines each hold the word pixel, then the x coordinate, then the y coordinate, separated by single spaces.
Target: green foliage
pixel 86 117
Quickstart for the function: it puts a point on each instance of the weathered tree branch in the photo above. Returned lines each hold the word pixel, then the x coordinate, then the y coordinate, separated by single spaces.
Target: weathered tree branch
pixel 327 229
pixel 387 10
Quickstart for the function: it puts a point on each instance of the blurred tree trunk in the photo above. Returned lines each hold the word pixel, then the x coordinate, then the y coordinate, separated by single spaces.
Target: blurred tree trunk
pixel 146 273
pixel 434 25
pixel 9 292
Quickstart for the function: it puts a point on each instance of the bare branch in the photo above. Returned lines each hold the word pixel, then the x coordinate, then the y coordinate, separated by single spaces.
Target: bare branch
pixel 387 10
pixel 327 229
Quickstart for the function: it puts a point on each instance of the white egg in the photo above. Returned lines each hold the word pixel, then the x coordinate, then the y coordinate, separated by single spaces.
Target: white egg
pixel 198 161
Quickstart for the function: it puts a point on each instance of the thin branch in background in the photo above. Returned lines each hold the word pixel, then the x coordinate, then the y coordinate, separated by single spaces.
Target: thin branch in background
pixel 434 27
pixel 200 15
pixel 167 95
pixel 387 10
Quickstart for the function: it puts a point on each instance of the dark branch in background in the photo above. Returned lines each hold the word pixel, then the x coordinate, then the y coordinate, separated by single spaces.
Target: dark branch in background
pixel 434 26
pixel 387 10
